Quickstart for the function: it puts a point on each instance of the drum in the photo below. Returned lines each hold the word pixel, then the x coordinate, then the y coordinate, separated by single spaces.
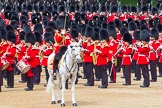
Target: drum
pixel 4 63
pixel 23 66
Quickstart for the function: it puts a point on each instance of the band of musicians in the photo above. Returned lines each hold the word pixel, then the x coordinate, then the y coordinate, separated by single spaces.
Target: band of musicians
pixel 114 38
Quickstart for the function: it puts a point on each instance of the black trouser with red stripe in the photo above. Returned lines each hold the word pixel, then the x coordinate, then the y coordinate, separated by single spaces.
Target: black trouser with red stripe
pixel 30 80
pixel 119 61
pixel 153 70
pixel 97 72
pixel 38 70
pixel 127 74
pixel 88 68
pixel 112 71
pixel 104 77
pixel 10 77
pixel 145 73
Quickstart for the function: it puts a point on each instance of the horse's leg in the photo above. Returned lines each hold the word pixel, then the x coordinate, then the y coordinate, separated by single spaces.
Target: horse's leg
pixel 73 79
pixel 63 80
pixel 59 89
pixel 53 96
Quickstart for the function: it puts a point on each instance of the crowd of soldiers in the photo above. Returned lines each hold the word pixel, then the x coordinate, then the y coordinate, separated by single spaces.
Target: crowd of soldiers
pixel 113 37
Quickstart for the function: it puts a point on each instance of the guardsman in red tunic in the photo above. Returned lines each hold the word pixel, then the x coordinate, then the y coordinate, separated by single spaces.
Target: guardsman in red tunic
pixel 38 68
pixel 10 55
pixel 21 49
pixel 112 43
pixel 153 44
pixel 127 60
pixel 102 53
pixel 136 45
pixel 88 64
pixel 143 60
pixel 159 50
pixel 29 56
pixel 124 16
pixel 46 51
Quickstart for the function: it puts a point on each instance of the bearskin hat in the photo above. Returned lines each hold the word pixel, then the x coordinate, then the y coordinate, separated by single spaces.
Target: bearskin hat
pixel 103 34
pixel 38 28
pixel 61 8
pixel 30 38
pixel 96 37
pixel 144 35
pixel 123 30
pixel 124 8
pixel 89 31
pixel 92 23
pixel 136 35
pixel 48 37
pixel 132 26
pixel 35 20
pixel 117 23
pixel 74 33
pixel 154 10
pixel 9 27
pixel 72 8
pixel 114 9
pixel 29 7
pixel 7 14
pixel 127 37
pixel 22 35
pixel 38 37
pixel 3 33
pixel 152 23
pixel 111 31
pixel 154 33
pixel 94 9
pixel 104 25
pixel 11 36
pixel 159 28
pixel 14 24
pixel 103 8
pixel 133 9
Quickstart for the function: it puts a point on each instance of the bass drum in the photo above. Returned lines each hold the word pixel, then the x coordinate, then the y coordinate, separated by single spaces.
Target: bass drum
pixel 23 66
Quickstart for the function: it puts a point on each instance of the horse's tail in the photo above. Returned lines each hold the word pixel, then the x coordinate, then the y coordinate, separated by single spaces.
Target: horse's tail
pixel 50 84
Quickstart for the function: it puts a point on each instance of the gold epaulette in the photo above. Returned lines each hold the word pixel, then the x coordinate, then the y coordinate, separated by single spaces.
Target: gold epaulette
pixel 63 38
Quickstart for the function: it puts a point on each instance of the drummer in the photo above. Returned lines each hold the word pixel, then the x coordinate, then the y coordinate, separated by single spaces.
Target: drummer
pixel 21 49
pixel 30 55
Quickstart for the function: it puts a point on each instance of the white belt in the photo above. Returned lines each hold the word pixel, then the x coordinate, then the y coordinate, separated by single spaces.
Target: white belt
pixel 45 56
pixel 126 55
pixel 142 55
pixel 38 56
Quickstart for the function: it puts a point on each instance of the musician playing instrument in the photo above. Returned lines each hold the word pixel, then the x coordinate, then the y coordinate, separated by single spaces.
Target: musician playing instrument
pixel 29 56
pixel 153 44
pixel 102 54
pixel 46 51
pixel 126 50
pixel 38 67
pixel 112 43
pixel 143 60
pixel 88 67
pixel 21 49
pixel 10 55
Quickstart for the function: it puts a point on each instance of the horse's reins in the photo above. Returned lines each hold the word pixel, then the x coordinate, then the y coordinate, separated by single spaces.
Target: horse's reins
pixel 69 70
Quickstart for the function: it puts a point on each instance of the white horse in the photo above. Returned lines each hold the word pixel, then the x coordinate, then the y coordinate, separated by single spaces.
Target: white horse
pixel 68 69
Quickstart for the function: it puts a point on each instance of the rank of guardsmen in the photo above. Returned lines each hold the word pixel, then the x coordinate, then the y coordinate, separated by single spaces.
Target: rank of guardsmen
pixel 114 38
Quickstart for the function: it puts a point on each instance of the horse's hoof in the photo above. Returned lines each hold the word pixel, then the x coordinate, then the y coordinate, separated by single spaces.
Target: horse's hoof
pixel 53 102
pixel 74 104
pixel 62 105
pixel 59 101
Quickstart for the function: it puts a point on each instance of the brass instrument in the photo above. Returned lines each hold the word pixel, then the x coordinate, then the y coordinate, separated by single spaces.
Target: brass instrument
pixel 94 55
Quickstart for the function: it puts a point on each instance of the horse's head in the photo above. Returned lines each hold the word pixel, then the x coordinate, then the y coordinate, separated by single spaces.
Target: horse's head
pixel 75 49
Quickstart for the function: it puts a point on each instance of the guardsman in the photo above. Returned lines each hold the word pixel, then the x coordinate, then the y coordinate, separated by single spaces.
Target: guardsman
pixel 159 28
pixel 112 43
pixel 153 44
pixel 124 15
pixel 143 60
pixel 136 45
pixel 46 51
pixel 126 50
pixel 94 55
pixel 21 49
pixel 10 55
pixel 112 16
pixel 102 53
pixel 88 67
pixel 38 68
pixel 29 56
